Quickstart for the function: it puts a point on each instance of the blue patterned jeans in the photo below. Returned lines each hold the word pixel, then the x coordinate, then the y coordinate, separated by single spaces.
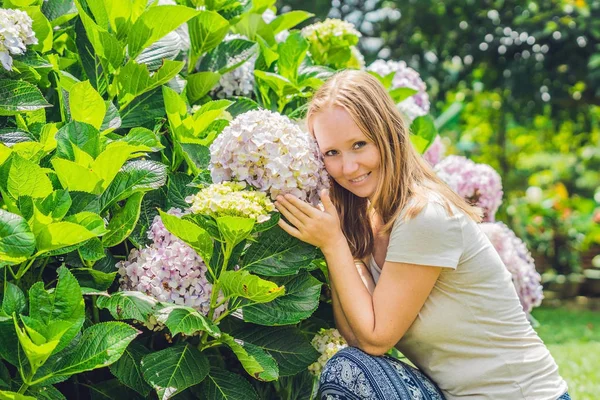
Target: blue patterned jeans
pixel 352 375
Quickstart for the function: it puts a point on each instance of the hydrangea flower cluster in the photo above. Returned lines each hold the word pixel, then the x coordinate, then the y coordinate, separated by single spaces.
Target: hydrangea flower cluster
pixel 436 152
pixel 416 105
pixel 230 198
pixel 333 35
pixel 271 153
pixel 168 270
pixel 517 259
pixel 240 81
pixel 327 342
pixel 479 184
pixel 15 34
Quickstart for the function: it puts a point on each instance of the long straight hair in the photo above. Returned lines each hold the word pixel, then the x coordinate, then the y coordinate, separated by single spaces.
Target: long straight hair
pixel 405 178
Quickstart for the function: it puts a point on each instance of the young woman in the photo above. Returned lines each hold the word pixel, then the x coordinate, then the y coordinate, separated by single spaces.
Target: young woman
pixel 409 267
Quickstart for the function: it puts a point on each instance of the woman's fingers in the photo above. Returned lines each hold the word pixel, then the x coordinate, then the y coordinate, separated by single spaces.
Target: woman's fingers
pixel 289 229
pixel 283 209
pixel 301 205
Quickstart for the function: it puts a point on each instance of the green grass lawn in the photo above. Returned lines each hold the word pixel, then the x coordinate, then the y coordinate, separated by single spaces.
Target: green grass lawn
pixel 573 337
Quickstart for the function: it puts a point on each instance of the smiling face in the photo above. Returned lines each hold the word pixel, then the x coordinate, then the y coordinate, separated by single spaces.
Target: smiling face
pixel 350 157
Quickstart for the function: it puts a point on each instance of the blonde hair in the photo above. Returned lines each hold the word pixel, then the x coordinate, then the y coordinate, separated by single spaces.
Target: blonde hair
pixel 404 174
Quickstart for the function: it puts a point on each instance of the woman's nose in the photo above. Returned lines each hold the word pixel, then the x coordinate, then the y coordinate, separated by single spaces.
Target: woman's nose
pixel 349 165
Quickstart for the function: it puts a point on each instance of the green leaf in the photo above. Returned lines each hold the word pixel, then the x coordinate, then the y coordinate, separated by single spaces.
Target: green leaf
pixel 61 234
pixel 155 23
pixel 167 48
pixel 143 137
pixel 423 128
pixel 235 229
pixel 123 221
pixel 290 348
pixel 251 287
pixel 25 178
pixel 299 302
pixel 200 84
pixel 35 346
pixel 134 79
pixel 291 54
pixel 279 84
pixel 14 300
pixel 92 250
pixel 152 202
pixel 278 254
pixel 128 305
pixel 185 320
pixel 9 345
pixel 197 156
pixel 91 278
pixel 144 109
pixel 174 369
pixel 402 93
pixel 228 56
pixel 16 239
pixel 257 362
pixel 75 177
pixel 192 234
pixel 59 11
pixel 178 190
pixel 221 384
pixel 100 345
pixel 135 176
pixel 90 221
pixel 207 30
pixel 289 20
pixel 86 104
pixel 79 134
pixel 112 118
pixel 4 376
pixel 45 392
pixel 6 395
pixel 242 105
pixel 56 204
pixel 20 96
pixel 110 390
pixel 128 368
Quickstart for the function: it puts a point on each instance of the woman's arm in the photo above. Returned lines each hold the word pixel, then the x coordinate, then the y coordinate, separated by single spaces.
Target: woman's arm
pixel 377 320
pixel 341 322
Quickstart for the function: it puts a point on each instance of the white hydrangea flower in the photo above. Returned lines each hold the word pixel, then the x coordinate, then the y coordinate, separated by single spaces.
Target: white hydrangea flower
pixel 230 198
pixel 328 38
pixel 15 33
pixel 331 27
pixel 240 81
pixel 416 105
pixel 271 153
pixel 327 342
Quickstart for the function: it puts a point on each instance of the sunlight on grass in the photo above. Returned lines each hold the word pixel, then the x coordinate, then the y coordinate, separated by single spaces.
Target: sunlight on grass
pixel 573 337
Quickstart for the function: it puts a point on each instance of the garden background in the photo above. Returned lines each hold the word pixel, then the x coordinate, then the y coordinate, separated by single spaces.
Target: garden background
pixel 128 271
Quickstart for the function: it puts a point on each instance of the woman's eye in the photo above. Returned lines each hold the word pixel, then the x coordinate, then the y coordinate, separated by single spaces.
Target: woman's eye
pixel 331 153
pixel 358 145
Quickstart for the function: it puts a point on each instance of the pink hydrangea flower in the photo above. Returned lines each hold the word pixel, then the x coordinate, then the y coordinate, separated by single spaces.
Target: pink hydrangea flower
pixel 435 153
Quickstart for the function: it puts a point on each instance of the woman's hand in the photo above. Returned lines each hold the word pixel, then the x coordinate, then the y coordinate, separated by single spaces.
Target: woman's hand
pixel 320 228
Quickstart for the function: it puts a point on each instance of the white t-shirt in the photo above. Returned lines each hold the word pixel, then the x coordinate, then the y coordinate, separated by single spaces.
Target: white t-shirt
pixel 471 336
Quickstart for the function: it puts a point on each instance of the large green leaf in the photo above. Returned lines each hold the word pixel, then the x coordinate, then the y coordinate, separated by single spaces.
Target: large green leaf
pixel 196 237
pixel 56 204
pixel 20 96
pixel 155 23
pixel 5 378
pixel 61 234
pixel 128 305
pixel 101 345
pixel 13 300
pixel 278 254
pixel 174 369
pixel 196 155
pixel 86 104
pixel 167 48
pixel 257 362
pixel 112 118
pixel 186 320
pixel 402 93
pixel 144 109
pixel 79 134
pixel 75 177
pixel 128 368
pixel 291 54
pixel 242 105
pixel 221 384
pixel 143 137
pixel 178 190
pixel 200 84
pixel 228 56
pixel 153 201
pixel 24 178
pixel 111 390
pixel 16 239
pixel 251 287
pixel 89 220
pixel 91 278
pixel 299 302
pixel 45 392
pixel 135 176
pixel 6 395
pixel 59 11
pixel 235 229
pixel 9 345
pixel 290 348
pixel 134 79
pixel 207 30
pixel 123 221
